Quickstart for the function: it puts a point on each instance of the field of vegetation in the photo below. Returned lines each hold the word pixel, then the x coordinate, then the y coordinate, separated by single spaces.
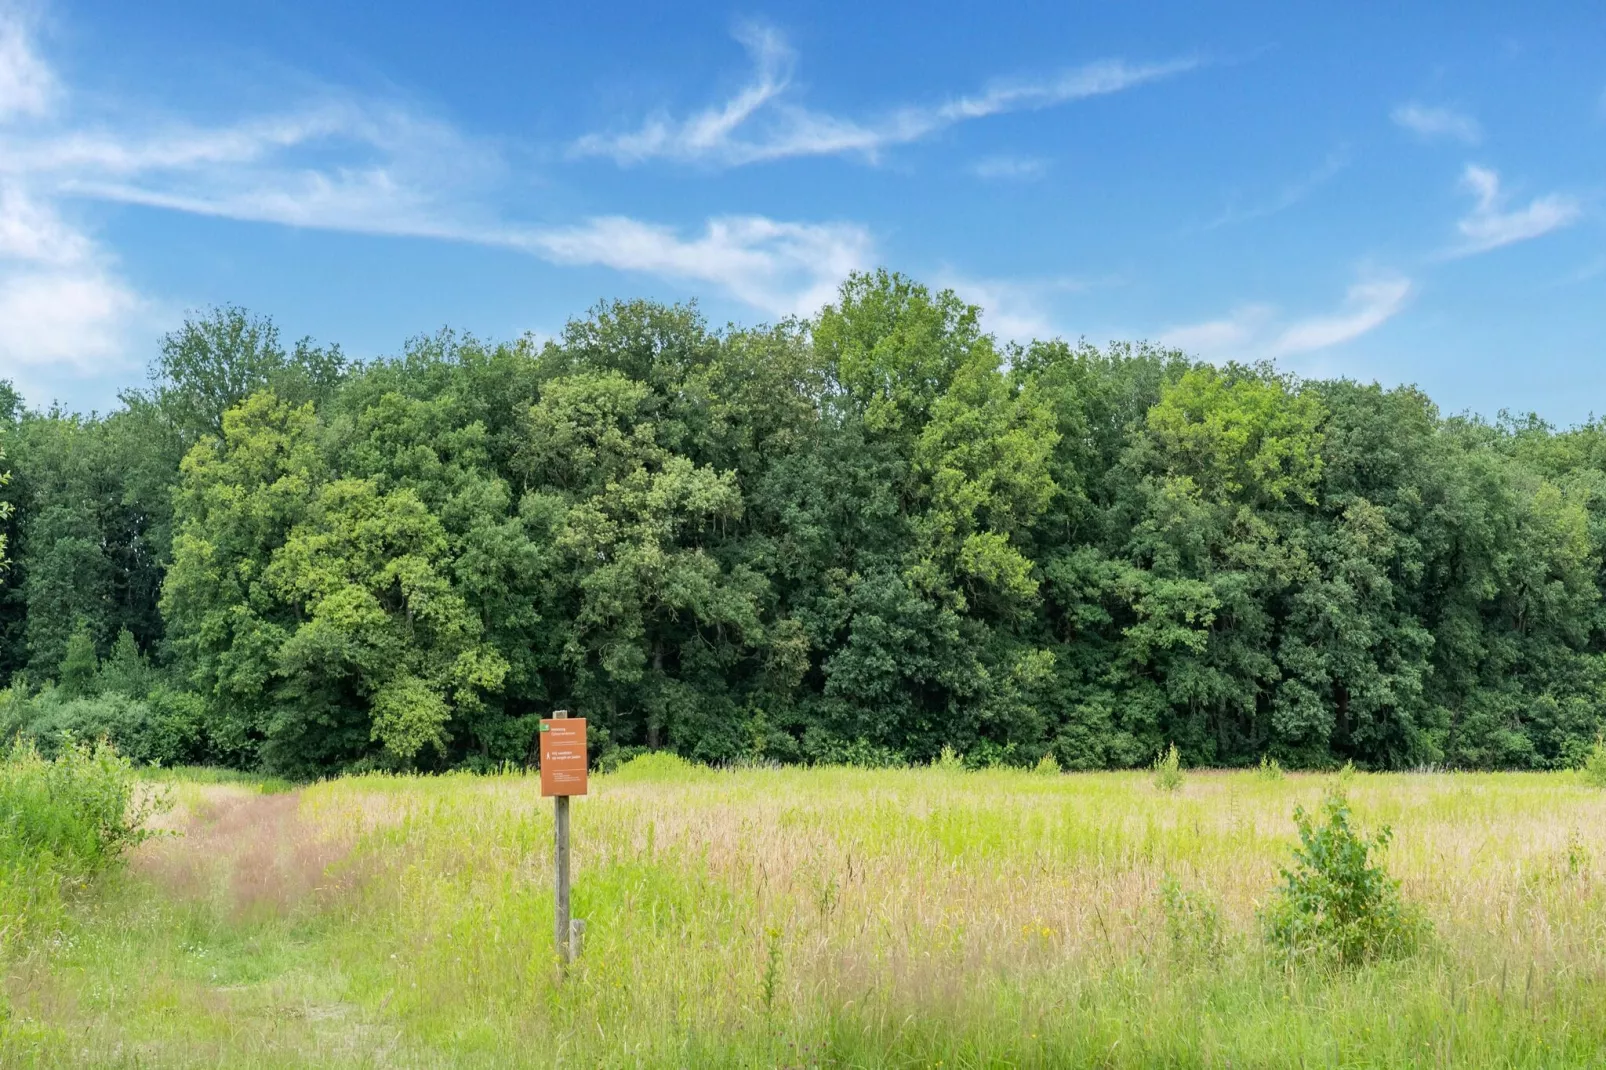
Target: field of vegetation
pixel 812 917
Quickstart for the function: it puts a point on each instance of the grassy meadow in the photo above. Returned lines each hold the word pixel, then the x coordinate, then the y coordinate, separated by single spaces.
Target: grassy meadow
pixel 824 917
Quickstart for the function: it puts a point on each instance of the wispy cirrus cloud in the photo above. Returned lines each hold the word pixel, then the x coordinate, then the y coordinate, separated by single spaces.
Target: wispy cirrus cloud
pixel 1260 332
pixel 1488 226
pixel 339 163
pixel 1010 168
pixel 761 123
pixel 1016 310
pixel 780 268
pixel 1438 123
pixel 1285 198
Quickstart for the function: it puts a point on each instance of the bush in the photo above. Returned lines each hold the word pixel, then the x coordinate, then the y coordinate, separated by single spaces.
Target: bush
pixel 1337 902
pixel 1594 767
pixel 57 719
pixel 16 709
pixel 165 727
pixel 1047 765
pixel 82 808
pixel 949 761
pixel 1270 769
pixel 62 821
pixel 1167 769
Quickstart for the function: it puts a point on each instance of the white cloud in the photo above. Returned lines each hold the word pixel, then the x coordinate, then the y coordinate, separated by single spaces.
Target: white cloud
pixel 35 233
pixel 759 123
pixel 781 268
pixel 1591 269
pixel 27 86
pixel 1231 337
pixel 1013 168
pixel 1487 227
pixel 75 319
pixel 1256 332
pixel 1435 124
pixel 393 172
pixel 63 308
pixel 1016 309
pixel 773 61
pixel 1367 306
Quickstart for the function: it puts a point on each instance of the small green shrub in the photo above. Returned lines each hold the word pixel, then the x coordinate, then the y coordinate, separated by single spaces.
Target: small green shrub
pixel 1270 769
pixel 58 719
pixel 16 708
pixel 1337 903
pixel 949 761
pixel 985 754
pixel 1579 855
pixel 1047 765
pixel 1167 769
pixel 1594 767
pixel 1192 924
pixel 83 808
pixel 772 968
pixel 660 765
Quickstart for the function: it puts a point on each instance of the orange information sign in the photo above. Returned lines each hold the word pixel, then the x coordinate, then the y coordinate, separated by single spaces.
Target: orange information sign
pixel 563 756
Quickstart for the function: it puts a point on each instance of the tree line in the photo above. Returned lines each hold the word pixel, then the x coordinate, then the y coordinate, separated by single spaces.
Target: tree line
pixel 858 538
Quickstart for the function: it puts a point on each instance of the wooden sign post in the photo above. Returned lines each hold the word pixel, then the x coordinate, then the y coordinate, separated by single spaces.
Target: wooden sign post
pixel 563 773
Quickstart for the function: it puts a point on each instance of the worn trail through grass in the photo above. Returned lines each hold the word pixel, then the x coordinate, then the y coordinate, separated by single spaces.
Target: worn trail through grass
pixel 820 917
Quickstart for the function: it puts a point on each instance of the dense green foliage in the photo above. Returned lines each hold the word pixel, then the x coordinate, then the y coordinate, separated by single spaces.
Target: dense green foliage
pixel 857 539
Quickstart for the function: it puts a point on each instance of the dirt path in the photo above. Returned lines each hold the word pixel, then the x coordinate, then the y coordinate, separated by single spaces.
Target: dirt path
pixel 257 852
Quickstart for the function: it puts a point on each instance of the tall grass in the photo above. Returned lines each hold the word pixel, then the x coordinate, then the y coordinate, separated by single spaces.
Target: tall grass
pixel 827 917
pixel 208 774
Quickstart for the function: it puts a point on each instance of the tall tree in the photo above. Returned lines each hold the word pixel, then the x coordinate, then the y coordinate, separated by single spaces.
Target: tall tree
pixel 222 356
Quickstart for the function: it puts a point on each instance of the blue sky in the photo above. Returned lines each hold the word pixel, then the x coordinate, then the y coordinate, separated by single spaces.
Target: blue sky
pixel 1408 196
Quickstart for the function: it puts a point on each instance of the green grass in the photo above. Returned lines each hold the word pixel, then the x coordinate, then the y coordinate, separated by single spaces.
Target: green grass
pixel 827 917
